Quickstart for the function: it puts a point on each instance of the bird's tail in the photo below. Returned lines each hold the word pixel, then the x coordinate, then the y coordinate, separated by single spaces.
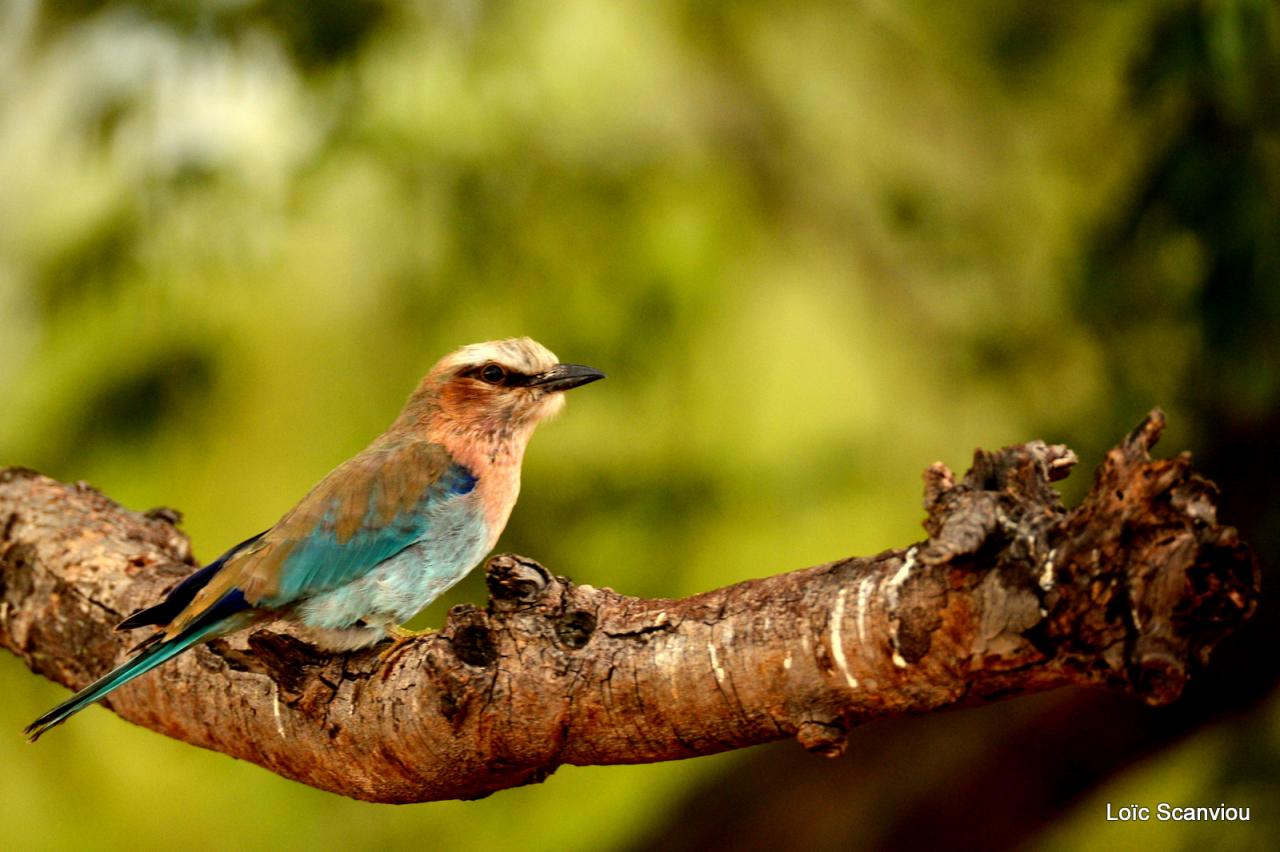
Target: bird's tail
pixel 150 656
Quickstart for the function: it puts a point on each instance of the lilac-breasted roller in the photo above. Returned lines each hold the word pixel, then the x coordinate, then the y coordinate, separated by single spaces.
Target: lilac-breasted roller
pixel 385 533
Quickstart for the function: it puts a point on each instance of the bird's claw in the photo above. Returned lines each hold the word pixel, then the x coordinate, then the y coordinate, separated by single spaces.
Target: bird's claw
pixel 400 638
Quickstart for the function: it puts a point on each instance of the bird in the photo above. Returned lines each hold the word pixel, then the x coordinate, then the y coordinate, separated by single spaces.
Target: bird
pixel 383 534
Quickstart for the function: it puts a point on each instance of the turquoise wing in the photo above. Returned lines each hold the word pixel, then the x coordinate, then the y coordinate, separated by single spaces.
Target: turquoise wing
pixel 366 511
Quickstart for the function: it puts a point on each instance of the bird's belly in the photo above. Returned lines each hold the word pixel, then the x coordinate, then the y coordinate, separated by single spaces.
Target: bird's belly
pixel 398 587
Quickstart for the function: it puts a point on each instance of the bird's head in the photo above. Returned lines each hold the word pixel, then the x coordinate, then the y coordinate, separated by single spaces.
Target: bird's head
pixel 502 387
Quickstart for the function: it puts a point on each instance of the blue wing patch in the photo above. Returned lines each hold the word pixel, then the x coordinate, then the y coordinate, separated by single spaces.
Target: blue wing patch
pixel 321 562
pixel 464 482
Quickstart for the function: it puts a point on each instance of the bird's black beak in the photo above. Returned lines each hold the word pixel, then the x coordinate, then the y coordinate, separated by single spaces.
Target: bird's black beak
pixel 563 377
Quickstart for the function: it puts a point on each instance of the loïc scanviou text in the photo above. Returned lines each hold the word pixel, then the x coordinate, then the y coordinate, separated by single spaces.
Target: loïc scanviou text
pixel 1166 812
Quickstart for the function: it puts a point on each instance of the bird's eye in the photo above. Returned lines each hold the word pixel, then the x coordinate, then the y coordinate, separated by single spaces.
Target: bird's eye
pixel 493 374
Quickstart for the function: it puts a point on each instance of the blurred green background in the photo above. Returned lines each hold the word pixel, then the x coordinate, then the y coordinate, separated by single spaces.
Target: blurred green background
pixel 815 245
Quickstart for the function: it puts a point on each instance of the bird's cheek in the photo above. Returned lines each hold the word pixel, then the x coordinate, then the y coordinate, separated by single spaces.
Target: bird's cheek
pixel 552 404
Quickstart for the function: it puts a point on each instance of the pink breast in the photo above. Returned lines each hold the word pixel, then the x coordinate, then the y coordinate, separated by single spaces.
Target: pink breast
pixel 498 489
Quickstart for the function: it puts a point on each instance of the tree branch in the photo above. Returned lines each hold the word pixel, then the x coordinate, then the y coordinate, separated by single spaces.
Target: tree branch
pixel 1010 594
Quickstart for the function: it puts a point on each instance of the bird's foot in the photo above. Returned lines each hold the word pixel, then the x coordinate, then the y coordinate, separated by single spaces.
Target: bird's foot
pixel 400 638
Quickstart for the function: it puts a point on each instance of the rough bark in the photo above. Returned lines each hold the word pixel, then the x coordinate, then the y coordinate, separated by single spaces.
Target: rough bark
pixel 1010 594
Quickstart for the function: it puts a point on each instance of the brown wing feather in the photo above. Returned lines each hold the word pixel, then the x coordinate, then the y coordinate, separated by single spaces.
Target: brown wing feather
pixel 389 476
